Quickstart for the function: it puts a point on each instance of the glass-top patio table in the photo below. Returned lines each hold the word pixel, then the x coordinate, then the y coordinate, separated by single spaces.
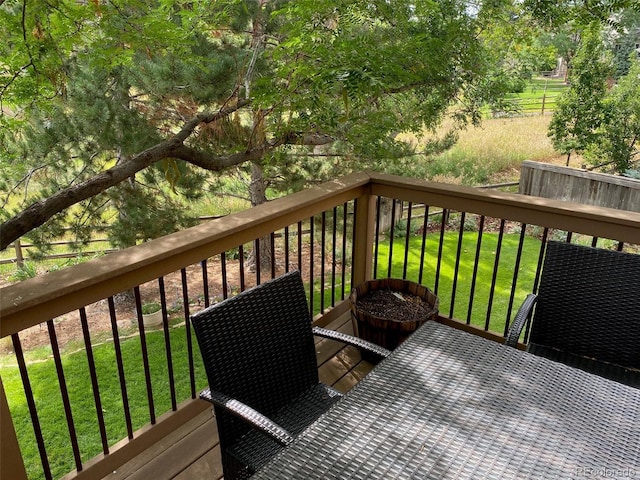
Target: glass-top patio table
pixel 450 405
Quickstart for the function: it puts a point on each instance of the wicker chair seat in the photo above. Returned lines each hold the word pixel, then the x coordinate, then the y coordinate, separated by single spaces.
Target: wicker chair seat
pixel 617 373
pixel 254 449
pixel 586 312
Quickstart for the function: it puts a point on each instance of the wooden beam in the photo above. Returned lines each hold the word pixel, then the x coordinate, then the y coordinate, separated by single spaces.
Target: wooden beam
pixel 364 231
pixel 11 462
pixel 621 225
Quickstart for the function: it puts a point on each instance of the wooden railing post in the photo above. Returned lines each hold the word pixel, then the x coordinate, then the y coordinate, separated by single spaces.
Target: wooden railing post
pixel 364 231
pixel 19 258
pixel 11 463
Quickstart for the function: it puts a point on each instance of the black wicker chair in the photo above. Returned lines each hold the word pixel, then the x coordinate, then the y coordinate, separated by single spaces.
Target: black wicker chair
pixel 259 355
pixel 587 311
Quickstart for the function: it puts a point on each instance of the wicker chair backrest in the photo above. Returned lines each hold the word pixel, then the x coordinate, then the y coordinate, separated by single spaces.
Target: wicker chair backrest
pixel 589 303
pixel 258 347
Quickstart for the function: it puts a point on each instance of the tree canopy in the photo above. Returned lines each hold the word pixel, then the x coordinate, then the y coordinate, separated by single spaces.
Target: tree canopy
pixel 110 110
pixel 595 117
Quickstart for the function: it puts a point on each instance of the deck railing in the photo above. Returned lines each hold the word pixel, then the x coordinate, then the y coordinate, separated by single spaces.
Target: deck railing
pixel 480 251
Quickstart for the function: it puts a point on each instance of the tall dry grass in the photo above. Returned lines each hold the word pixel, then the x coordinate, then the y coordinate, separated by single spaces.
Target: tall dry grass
pixel 493 151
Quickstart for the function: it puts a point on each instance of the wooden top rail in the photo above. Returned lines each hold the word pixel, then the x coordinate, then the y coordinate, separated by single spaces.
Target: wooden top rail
pixel 604 222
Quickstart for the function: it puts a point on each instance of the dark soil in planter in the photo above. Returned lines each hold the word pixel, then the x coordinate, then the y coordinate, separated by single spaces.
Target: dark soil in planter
pixel 395 306
pixel 386 311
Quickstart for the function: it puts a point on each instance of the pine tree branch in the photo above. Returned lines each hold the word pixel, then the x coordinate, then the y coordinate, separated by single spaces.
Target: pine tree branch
pixel 40 212
pixel 217 163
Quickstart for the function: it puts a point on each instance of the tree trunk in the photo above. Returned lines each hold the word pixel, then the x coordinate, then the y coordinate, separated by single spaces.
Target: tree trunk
pixel 258 196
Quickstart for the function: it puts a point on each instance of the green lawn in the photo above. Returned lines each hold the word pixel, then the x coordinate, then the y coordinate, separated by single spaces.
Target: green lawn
pixel 531 99
pixel 484 275
pixel 48 399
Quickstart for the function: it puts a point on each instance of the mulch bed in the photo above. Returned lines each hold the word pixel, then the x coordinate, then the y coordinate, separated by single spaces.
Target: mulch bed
pixel 394 306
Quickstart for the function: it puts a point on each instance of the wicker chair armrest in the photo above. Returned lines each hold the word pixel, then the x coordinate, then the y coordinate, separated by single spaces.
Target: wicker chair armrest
pixel 250 415
pixel 520 320
pixel 351 340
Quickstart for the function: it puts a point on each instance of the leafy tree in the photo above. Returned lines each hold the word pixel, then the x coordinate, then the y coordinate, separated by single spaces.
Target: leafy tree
pixel 566 19
pixel 579 110
pixel 621 38
pixel 87 102
pixel 617 138
pixel 521 47
pixel 564 39
pixel 554 13
pixel 115 105
pixel 598 121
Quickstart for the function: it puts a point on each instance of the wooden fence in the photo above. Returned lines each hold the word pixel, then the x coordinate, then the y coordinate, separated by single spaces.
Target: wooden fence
pixel 21 249
pixel 575 185
pixel 544 103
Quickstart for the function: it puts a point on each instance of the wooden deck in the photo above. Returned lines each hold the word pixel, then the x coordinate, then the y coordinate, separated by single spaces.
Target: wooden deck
pixel 192 451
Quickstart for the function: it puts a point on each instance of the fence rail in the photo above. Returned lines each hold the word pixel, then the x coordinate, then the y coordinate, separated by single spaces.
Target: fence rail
pixel 536 102
pixel 530 106
pixel 21 249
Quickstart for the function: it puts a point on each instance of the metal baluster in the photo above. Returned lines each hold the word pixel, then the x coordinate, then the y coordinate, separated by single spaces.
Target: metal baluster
pixel 516 267
pixel 223 271
pixel 457 264
pixel 300 247
pixel 272 238
pixel 475 269
pixel 344 248
pixel 406 243
pixel 65 394
pixel 167 343
pixel 334 238
pixel 377 238
pixel 536 281
pixel 286 249
pixel 311 220
pixel 391 235
pixel 120 364
pixel 241 267
pixel 353 238
pixel 445 214
pixel 94 380
pixel 257 259
pixel 494 277
pixel 423 245
pixel 205 282
pixel 323 242
pixel 187 324
pixel 145 356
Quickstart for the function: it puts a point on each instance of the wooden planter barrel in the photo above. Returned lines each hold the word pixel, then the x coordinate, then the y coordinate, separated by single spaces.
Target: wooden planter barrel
pixel 387 332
